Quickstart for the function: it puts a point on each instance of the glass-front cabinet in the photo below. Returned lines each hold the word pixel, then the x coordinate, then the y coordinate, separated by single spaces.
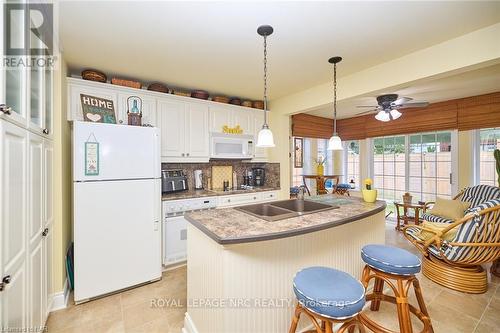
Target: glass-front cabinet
pixel 26 93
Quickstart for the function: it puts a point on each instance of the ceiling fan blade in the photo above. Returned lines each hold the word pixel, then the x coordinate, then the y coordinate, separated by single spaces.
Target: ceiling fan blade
pixel 402 100
pixel 366 112
pixel 366 106
pixel 414 105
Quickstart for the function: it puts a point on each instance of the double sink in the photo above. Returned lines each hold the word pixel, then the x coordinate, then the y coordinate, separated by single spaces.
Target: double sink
pixel 279 210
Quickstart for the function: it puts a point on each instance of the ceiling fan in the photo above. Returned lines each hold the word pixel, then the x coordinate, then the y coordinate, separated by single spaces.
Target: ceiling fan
pixel 388 106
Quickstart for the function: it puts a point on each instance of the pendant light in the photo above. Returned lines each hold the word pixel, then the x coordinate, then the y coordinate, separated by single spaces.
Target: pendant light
pixel 335 143
pixel 265 137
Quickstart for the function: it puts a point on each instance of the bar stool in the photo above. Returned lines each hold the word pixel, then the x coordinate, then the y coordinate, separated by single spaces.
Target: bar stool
pixel 397 268
pixel 328 296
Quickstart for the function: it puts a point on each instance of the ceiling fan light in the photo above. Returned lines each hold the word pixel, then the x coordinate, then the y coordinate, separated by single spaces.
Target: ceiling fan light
pixel 395 114
pixel 335 143
pixel 265 138
pixel 382 116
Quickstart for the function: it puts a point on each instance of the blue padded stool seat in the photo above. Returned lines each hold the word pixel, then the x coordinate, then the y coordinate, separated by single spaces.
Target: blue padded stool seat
pixel 344 186
pixel 390 259
pixel 329 292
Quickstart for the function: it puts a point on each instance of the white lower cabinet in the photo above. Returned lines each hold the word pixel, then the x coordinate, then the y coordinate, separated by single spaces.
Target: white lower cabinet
pixel 25 214
pixel 234 200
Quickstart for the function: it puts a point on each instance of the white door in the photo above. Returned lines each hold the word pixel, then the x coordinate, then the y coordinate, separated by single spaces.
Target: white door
pixel 219 117
pixel 172 120
pixel 124 152
pixel 197 136
pixel 48 219
pixel 148 109
pixel 13 180
pixel 35 227
pixel 116 248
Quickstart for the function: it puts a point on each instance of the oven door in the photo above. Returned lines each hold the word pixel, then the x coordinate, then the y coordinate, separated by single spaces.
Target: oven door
pixel 174 240
pixel 224 147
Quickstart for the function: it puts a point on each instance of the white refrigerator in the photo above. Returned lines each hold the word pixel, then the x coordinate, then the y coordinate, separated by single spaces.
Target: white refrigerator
pixel 116 207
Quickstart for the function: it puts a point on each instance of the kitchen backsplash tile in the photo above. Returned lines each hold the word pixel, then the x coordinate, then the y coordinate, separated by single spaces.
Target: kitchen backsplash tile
pixel 272 171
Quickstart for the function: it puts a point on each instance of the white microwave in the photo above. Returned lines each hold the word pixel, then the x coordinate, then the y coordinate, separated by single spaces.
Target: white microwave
pixel 231 146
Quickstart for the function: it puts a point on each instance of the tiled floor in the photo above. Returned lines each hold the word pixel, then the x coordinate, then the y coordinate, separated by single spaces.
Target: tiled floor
pixel 132 310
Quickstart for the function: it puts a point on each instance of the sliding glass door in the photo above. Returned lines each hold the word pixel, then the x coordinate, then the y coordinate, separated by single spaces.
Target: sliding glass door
pixel 421 164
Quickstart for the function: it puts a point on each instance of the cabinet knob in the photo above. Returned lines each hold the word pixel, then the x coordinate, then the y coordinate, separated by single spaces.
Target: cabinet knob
pixel 187 154
pixel 5 109
pixel 6 279
pixel 120 121
pixel 45 232
pixel 183 154
pixel 45 131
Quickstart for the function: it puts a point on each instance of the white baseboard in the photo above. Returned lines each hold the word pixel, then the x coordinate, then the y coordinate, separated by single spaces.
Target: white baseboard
pixel 60 299
pixel 189 326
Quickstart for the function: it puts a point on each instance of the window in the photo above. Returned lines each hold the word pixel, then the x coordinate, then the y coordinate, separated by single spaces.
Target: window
pixel 312 150
pixel 489 140
pixel 389 169
pixel 351 163
pixel 421 164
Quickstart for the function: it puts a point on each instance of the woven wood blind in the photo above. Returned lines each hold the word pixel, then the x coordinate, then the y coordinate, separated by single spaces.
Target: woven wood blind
pixel 463 114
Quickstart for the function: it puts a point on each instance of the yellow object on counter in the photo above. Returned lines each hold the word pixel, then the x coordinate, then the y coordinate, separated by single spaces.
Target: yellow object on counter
pixel 369 195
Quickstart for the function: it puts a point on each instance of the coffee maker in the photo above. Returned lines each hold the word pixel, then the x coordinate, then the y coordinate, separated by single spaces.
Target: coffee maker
pixel 259 176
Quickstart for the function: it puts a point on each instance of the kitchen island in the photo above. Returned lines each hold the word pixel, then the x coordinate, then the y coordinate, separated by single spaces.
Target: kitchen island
pixel 241 267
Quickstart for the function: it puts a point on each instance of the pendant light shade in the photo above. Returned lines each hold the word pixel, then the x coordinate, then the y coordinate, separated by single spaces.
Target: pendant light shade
pixel 265 137
pixel 382 116
pixel 335 143
pixel 395 114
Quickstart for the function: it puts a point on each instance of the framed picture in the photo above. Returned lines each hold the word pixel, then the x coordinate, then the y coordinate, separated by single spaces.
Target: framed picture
pixel 298 156
pixel 98 110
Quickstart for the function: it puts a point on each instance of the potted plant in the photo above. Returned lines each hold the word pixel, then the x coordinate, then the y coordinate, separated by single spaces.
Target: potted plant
pixel 369 194
pixel 496 153
pixel 320 165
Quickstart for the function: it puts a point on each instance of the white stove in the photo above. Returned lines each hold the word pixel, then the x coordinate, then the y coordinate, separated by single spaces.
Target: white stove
pixel 175 226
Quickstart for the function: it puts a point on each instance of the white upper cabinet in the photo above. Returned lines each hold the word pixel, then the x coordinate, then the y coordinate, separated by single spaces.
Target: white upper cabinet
pixel 197 138
pixel 231 116
pixel 172 120
pixel 184 131
pixel 148 108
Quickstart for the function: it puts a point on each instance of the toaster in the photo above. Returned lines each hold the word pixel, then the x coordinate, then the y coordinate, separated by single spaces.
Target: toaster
pixel 173 181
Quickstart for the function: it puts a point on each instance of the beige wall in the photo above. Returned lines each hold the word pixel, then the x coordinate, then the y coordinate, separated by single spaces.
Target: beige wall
pixel 62 179
pixel 465 159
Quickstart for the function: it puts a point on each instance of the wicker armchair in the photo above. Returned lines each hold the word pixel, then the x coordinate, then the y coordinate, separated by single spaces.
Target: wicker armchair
pixel 456 264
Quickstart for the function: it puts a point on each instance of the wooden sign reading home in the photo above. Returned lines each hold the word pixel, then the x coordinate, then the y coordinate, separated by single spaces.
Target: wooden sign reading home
pixel 98 110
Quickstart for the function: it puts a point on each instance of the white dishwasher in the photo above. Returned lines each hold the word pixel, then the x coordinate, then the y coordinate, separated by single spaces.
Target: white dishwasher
pixel 175 226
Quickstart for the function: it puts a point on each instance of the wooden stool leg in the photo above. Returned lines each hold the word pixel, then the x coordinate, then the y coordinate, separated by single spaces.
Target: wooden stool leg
pixel 378 288
pixel 403 309
pixel 421 303
pixel 295 319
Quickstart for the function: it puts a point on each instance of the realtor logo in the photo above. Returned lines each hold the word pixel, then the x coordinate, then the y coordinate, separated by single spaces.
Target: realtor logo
pixel 29 39
pixel 29 29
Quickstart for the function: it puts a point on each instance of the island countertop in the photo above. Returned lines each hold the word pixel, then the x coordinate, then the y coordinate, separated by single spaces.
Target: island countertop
pixel 231 226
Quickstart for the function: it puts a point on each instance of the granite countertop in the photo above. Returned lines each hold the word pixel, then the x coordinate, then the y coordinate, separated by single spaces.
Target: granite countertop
pixel 213 193
pixel 231 226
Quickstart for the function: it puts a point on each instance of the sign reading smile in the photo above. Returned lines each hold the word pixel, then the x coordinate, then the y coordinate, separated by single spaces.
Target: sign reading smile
pixel 232 130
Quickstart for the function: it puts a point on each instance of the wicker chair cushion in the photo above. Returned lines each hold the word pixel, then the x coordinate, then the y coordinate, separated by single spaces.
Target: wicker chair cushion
pixel 434 218
pixel 329 292
pixel 468 231
pixel 478 194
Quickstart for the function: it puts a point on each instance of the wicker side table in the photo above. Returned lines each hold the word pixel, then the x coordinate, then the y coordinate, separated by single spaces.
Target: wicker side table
pixel 410 213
